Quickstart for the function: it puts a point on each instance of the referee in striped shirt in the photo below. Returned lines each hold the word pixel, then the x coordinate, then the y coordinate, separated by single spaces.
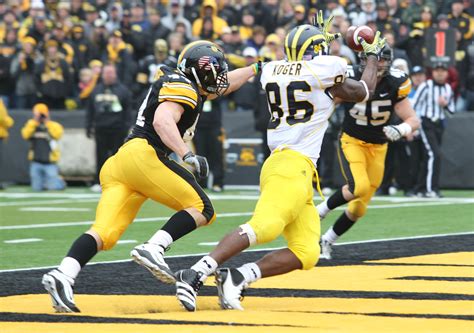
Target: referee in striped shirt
pixel 432 100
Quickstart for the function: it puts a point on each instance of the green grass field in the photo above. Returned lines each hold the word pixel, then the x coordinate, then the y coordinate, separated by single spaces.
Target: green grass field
pixel 37 229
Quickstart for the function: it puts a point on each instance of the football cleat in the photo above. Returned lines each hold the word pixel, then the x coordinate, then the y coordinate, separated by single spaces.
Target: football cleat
pixel 188 283
pixel 150 256
pixel 230 285
pixel 326 249
pixel 59 286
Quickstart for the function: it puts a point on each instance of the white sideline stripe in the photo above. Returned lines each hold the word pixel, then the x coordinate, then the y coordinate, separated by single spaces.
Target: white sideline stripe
pixel 53 209
pixel 24 240
pixel 208 243
pixel 252 250
pixel 71 224
pixel 47 202
pixel 127 241
pixel 154 219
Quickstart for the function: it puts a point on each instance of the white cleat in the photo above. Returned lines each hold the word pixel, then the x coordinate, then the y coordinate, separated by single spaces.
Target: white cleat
pixel 230 284
pixel 326 249
pixel 150 256
pixel 59 286
pixel 188 283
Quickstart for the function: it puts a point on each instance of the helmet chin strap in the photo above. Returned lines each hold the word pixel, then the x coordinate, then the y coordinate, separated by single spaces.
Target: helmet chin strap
pixel 197 78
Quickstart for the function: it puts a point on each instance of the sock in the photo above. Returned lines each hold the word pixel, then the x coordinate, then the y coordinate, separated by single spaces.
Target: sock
pixel 83 249
pixel 161 238
pixel 323 208
pixel 70 267
pixel 342 224
pixel 207 265
pixel 251 272
pixel 330 236
pixel 179 225
pixel 336 200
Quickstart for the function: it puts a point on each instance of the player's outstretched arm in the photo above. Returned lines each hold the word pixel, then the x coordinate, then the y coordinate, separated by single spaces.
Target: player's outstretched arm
pixel 362 90
pixel 407 114
pixel 239 76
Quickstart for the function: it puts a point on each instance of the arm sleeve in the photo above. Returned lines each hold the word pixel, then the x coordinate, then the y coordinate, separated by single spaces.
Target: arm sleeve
pixel 54 129
pixel 451 105
pixel 29 128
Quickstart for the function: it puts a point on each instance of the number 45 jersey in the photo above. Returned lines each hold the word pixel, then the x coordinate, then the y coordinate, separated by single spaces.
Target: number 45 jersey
pixel 365 121
pixel 298 102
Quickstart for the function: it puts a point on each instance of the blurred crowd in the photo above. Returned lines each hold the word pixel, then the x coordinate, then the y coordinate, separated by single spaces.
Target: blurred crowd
pixel 101 55
pixel 53 51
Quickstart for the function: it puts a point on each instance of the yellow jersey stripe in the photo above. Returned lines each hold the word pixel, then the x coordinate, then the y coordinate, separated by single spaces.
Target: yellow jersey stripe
pixel 405 88
pixel 179 85
pixel 179 92
pixel 287 47
pixel 177 100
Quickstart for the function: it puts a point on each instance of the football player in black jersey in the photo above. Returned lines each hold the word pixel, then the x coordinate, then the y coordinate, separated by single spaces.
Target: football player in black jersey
pixel 363 145
pixel 141 169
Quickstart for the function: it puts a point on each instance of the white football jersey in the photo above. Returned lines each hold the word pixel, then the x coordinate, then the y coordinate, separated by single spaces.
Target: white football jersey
pixel 298 102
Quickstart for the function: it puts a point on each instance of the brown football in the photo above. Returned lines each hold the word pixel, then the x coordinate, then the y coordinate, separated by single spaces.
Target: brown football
pixel 353 34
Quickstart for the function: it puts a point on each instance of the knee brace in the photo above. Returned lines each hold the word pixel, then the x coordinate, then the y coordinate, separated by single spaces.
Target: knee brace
pixel 249 232
pixel 357 208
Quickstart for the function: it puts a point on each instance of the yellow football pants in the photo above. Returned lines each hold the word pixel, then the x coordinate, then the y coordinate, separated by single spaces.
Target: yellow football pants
pixel 136 173
pixel 286 205
pixel 362 165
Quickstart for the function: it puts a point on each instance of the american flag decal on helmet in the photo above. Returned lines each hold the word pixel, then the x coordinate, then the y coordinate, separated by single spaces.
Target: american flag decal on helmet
pixel 206 61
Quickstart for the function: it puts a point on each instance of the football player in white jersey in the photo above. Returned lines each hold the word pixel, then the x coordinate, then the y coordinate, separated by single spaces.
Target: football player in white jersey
pixel 300 93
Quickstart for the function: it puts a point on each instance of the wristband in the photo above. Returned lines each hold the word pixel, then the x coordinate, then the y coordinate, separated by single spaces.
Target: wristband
pixel 404 129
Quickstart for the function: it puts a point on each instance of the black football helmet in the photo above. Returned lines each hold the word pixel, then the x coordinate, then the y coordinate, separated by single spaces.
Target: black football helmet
pixel 204 63
pixel 304 42
pixel 385 61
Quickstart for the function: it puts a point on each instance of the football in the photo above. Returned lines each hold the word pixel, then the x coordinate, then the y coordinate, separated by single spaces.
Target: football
pixel 353 34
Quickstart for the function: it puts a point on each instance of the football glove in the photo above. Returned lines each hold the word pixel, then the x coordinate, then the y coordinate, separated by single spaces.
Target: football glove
pixel 325 26
pixel 198 162
pixel 375 47
pixel 396 132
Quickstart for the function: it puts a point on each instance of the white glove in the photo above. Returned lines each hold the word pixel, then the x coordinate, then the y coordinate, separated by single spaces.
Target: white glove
pixel 198 162
pixel 396 132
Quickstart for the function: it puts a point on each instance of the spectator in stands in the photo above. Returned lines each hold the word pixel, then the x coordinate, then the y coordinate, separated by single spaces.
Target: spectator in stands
pixel 412 13
pixel 182 29
pixel 273 46
pixel 209 12
pixel 118 54
pixel 258 38
pixel 77 12
pixel 22 70
pixel 156 30
pixel 248 22
pixel 137 12
pixel 8 22
pixel 83 50
pixel 413 44
pixel 463 22
pixel 99 39
pixel 299 17
pixel 368 13
pixel 7 53
pixel 43 133
pixel 397 52
pixel 384 22
pixel 5 123
pixel 109 117
pixel 87 84
pixel 176 44
pixel 92 15
pixel 64 47
pixel 175 14
pixel 394 10
pixel 114 18
pixel 53 77
pixel 148 67
pixel 133 35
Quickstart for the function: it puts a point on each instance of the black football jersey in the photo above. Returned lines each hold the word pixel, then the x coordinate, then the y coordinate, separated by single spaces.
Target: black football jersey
pixel 170 85
pixel 365 121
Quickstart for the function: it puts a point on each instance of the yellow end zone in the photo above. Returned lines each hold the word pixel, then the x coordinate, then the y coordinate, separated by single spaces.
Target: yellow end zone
pixel 281 314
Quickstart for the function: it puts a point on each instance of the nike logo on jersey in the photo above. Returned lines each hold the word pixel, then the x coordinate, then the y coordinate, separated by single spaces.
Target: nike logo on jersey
pixel 383 95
